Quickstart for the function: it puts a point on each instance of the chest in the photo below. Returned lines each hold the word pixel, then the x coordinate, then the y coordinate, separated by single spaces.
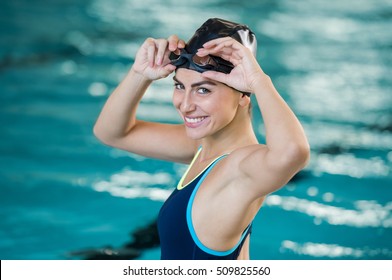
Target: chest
pixel 193 173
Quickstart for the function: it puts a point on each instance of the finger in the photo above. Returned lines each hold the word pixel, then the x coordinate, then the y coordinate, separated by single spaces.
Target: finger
pixel 166 57
pixel 234 60
pixel 151 52
pixel 219 49
pixel 175 43
pixel 169 68
pixel 162 47
pixel 227 46
pixel 166 70
pixel 181 44
pixel 219 41
pixel 217 76
pixel 226 54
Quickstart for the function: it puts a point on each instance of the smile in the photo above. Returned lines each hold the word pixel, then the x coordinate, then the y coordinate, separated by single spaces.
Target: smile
pixel 194 120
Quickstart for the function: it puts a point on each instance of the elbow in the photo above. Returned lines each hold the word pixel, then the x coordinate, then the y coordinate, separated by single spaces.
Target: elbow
pixel 297 156
pixel 302 155
pixel 98 133
pixel 101 135
pixel 108 136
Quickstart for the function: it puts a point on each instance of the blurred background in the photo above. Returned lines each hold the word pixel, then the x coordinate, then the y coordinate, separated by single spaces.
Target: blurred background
pixel 63 195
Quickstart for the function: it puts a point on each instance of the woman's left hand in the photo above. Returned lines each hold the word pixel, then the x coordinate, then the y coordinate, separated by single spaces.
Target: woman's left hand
pixel 246 73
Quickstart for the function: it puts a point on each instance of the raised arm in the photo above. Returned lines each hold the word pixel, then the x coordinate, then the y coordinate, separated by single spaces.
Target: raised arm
pixel 261 169
pixel 117 124
pixel 287 149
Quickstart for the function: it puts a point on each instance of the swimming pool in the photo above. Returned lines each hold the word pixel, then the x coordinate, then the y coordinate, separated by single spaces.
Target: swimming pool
pixel 62 191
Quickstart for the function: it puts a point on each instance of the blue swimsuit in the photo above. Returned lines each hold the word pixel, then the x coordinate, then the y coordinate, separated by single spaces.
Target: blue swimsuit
pixel 176 233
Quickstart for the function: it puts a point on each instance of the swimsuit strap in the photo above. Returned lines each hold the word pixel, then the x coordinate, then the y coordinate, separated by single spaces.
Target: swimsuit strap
pixel 190 224
pixel 180 185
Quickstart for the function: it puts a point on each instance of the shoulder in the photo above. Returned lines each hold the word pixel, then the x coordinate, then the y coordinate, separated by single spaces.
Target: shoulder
pixel 239 155
pixel 255 171
pixel 247 174
pixel 239 159
pixel 231 170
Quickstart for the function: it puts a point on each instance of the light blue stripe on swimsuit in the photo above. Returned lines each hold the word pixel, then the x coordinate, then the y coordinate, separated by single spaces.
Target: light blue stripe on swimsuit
pixel 190 224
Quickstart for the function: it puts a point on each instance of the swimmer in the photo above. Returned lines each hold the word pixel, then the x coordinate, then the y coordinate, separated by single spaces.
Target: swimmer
pixel 210 212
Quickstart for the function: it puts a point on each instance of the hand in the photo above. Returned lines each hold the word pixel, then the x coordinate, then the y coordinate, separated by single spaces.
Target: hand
pixel 152 59
pixel 246 73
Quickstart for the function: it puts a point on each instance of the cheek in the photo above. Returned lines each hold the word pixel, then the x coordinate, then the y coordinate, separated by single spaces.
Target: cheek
pixel 176 100
pixel 228 111
pixel 226 103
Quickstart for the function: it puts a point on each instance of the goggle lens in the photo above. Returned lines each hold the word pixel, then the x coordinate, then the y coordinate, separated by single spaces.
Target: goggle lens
pixel 199 63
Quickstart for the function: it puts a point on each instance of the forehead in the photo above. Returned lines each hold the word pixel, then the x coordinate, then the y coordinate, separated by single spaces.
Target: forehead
pixel 193 78
pixel 184 74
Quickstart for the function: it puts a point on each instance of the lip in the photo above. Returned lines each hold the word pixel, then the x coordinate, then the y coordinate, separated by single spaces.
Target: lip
pixel 194 122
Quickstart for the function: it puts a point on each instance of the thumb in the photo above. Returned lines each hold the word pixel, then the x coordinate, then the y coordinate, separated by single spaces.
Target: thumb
pixel 217 76
pixel 167 70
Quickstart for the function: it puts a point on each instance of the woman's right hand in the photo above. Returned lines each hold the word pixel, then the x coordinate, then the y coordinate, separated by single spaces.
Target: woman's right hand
pixel 152 59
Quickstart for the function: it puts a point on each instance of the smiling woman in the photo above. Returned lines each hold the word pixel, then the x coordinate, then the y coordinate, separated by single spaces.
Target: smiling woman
pixel 199 103
pixel 230 173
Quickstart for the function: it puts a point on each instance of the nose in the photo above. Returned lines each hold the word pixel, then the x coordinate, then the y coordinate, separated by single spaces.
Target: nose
pixel 187 105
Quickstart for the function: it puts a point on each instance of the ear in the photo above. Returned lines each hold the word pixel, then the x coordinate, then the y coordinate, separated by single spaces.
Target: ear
pixel 244 100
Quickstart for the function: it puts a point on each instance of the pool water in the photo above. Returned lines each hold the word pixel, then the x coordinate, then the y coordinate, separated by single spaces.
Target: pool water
pixel 62 191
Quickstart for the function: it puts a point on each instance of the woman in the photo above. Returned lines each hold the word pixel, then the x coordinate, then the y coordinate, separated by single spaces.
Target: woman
pixel 209 214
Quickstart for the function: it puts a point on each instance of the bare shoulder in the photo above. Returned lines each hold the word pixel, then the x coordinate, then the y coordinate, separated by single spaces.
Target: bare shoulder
pixel 230 172
pixel 243 153
pixel 253 171
pixel 235 160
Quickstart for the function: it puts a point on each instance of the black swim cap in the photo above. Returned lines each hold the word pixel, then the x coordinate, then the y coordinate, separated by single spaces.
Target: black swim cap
pixel 215 28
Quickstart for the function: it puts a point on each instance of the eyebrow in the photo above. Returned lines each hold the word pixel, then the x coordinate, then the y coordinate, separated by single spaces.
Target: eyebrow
pixel 196 84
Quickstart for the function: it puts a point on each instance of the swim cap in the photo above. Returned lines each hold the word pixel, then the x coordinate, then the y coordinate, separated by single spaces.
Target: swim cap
pixel 213 28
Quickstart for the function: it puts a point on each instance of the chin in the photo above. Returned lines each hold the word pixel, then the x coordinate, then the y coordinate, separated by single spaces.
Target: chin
pixel 195 135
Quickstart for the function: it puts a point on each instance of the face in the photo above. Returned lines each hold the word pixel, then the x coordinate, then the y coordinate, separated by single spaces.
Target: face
pixel 206 106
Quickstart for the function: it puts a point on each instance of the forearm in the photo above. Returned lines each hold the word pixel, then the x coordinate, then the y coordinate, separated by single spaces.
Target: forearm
pixel 285 137
pixel 118 115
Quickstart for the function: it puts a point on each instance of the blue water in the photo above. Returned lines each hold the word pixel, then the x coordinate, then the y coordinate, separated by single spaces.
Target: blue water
pixel 61 190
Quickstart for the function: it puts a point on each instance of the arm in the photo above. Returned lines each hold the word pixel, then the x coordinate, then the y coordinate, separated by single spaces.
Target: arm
pixel 117 125
pixel 287 150
pixel 261 169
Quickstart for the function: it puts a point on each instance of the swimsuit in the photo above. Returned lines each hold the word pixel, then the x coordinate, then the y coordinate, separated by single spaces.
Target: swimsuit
pixel 176 233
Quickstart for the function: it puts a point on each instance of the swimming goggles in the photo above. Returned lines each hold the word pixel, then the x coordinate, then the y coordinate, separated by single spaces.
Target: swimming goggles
pixel 200 64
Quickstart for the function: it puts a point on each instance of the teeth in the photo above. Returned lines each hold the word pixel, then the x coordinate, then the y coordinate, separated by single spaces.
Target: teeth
pixel 194 120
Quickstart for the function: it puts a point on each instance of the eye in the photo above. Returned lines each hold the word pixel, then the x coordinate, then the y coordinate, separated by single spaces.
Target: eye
pixel 178 86
pixel 203 91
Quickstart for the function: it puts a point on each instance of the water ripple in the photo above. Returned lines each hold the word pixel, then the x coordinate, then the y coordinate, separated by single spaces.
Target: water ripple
pixel 136 184
pixel 365 213
pixel 333 250
pixel 349 164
